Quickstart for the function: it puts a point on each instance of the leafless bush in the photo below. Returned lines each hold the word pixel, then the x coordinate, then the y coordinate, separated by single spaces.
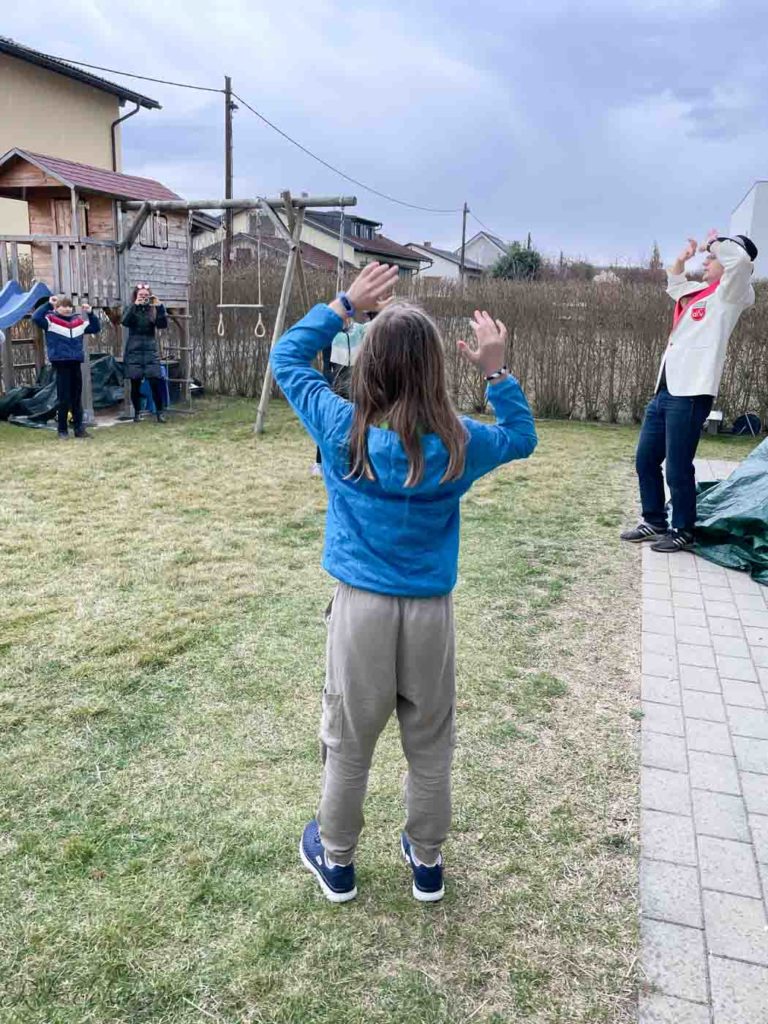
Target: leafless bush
pixel 580 350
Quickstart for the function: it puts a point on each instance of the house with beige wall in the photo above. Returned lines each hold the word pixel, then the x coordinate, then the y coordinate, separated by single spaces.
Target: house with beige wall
pixel 51 107
pixel 360 242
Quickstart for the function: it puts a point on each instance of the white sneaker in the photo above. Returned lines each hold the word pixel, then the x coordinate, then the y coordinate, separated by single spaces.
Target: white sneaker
pixel 317 469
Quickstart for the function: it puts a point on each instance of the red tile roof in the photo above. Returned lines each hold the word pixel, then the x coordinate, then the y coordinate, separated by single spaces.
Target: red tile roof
pixel 313 257
pixel 383 245
pixel 96 179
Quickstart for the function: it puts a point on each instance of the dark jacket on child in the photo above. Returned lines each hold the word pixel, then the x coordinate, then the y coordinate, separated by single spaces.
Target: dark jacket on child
pixel 64 334
pixel 142 356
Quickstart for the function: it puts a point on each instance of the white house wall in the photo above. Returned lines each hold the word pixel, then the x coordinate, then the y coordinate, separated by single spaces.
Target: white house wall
pixel 481 250
pixel 441 267
pixel 751 218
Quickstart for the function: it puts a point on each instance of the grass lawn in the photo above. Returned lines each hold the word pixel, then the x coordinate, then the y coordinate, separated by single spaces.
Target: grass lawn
pixel 161 663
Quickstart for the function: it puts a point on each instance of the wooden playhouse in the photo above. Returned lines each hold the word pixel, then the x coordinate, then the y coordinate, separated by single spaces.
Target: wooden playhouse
pixel 84 243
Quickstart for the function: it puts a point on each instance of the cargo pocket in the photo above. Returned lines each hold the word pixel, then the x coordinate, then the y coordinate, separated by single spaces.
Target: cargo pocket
pixel 332 720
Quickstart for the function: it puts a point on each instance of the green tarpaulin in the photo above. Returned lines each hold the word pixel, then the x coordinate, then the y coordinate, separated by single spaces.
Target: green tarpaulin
pixel 732 518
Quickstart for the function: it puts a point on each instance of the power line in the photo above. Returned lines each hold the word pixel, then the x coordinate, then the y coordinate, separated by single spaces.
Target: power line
pixel 130 74
pixel 483 226
pixel 355 181
pixel 274 127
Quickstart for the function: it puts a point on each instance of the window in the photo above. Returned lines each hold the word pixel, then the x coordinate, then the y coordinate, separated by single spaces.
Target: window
pixel 154 234
pixel 362 230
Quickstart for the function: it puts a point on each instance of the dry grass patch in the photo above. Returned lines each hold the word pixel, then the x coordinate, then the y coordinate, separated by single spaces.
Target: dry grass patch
pixel 161 663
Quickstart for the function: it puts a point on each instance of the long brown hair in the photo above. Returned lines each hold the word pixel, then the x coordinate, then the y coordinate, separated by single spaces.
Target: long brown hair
pixel 399 378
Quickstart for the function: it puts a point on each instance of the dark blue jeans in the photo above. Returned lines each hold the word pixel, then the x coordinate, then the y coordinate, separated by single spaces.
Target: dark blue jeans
pixel 671 431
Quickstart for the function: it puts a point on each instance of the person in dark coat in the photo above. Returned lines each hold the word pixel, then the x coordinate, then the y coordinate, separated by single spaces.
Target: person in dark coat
pixel 64 333
pixel 141 358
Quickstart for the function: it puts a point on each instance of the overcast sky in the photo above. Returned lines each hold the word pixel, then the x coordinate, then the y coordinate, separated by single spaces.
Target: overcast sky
pixel 597 126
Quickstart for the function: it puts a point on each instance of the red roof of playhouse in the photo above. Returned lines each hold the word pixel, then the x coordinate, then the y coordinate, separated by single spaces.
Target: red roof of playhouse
pixel 94 179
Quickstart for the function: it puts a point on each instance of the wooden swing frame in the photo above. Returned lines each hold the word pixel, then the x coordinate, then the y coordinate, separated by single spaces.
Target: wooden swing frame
pixel 294 208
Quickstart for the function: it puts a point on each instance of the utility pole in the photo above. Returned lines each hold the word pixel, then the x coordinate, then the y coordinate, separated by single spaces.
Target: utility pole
pixel 463 240
pixel 229 106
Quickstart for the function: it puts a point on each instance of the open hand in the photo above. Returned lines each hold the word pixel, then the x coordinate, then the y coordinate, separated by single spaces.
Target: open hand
pixel 85 307
pixel 711 236
pixel 689 251
pixel 373 284
pixel 491 337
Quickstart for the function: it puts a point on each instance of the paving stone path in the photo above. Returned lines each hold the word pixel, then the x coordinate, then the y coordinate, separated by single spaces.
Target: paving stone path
pixel 704 791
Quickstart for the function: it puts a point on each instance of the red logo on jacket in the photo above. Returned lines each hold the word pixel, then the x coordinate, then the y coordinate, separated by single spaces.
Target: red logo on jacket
pixel 699 311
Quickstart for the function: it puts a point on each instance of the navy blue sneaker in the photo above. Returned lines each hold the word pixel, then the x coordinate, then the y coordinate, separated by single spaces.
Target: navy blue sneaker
pixel 427 882
pixel 337 883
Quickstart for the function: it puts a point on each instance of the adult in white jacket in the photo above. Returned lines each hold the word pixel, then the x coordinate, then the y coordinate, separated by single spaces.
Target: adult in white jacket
pixel 706 313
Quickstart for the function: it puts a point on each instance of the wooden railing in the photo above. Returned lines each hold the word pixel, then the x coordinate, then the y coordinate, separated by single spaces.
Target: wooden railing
pixel 84 268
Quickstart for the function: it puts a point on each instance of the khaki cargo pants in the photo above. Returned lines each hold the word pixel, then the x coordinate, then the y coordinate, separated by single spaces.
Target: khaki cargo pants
pixel 388 654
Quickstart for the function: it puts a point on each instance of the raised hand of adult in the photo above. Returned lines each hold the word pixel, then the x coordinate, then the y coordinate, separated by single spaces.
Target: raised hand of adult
pixel 85 308
pixel 491 343
pixel 712 235
pixel 374 283
pixel 689 251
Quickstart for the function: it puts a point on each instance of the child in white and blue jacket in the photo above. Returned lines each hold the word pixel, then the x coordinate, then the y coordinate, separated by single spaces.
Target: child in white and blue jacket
pixel 397 460
pixel 64 333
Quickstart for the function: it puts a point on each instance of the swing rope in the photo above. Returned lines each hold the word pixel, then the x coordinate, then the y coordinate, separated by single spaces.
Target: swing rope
pixel 260 330
pixel 220 329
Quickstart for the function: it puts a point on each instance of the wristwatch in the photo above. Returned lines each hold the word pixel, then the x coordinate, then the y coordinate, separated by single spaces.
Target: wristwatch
pixel 349 309
pixel 499 373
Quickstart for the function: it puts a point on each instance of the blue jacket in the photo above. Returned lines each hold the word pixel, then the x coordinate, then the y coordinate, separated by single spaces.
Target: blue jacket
pixel 64 334
pixel 381 535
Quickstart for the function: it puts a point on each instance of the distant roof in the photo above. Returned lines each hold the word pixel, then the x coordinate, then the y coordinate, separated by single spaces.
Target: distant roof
pixel 331 218
pixel 445 254
pixel 486 234
pixel 93 179
pixel 379 245
pixel 310 254
pixel 61 67
pixel 202 221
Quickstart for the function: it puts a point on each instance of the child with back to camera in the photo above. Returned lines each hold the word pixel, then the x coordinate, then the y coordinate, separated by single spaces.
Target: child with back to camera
pixel 397 460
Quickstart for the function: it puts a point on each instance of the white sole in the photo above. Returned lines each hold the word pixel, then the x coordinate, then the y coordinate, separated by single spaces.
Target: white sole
pixel 330 895
pixel 418 894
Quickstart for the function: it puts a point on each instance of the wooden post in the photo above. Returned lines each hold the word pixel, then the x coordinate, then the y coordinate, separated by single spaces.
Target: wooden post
pixel 135 228
pixel 291 218
pixel 282 309
pixel 122 284
pixel 88 416
pixel 9 377
pixel 465 211
pixel 228 218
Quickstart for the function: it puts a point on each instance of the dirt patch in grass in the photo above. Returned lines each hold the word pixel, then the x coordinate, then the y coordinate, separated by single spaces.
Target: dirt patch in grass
pixel 160 676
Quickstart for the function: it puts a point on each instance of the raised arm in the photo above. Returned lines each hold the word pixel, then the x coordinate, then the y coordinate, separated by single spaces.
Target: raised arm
pixel 94 324
pixel 307 390
pixel 38 317
pixel 677 282
pixel 513 436
pixel 737 269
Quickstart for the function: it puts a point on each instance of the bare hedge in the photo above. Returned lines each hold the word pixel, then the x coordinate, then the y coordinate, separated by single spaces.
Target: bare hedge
pixel 581 350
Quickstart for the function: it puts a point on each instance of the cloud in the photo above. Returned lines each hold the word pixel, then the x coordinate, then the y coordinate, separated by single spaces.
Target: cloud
pixel 598 126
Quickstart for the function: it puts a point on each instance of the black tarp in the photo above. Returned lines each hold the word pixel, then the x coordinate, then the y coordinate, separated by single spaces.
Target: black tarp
pixel 37 404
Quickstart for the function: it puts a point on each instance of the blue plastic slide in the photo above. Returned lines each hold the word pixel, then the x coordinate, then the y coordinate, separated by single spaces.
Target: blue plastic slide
pixel 15 304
